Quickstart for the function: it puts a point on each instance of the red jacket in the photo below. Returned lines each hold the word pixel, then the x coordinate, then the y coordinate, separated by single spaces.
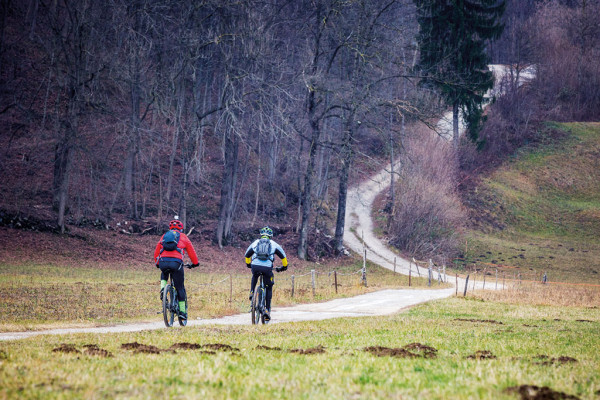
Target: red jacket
pixel 184 244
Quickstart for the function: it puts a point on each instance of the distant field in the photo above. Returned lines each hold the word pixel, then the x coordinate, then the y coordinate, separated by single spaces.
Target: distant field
pixel 452 349
pixel 541 211
pixel 43 296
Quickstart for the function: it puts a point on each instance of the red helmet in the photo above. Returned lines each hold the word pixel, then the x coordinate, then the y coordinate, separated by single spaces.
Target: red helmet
pixel 176 224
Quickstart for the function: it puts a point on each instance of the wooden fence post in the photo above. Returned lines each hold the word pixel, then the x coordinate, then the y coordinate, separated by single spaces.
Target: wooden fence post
pixel 364 272
pixel 466 285
pixel 429 276
pixel 456 284
pixel 409 276
pixel 483 288
pixel 545 279
pixel 292 286
pixel 496 278
pixel 335 279
pixel 312 278
pixel 417 266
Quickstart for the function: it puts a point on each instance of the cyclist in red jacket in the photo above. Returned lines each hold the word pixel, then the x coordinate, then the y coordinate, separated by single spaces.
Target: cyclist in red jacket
pixel 171 262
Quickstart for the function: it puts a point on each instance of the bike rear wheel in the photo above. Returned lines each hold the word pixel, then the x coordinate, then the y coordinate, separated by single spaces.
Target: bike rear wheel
pixel 256 307
pixel 263 304
pixel 168 305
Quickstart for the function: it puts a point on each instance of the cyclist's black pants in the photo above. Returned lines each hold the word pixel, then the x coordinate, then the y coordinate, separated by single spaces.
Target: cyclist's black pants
pixel 268 278
pixel 173 267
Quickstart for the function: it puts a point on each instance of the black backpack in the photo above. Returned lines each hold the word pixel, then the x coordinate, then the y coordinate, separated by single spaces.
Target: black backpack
pixel 263 249
pixel 170 241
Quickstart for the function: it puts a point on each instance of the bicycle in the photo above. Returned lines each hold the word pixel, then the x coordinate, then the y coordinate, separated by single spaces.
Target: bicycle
pixel 259 298
pixel 170 303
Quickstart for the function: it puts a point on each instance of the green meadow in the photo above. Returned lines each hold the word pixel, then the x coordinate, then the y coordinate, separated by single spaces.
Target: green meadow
pixel 458 348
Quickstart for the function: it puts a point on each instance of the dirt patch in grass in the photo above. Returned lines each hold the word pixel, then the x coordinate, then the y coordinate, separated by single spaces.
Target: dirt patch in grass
pixel 141 348
pixel 190 346
pixel 66 348
pixel 488 321
pixel 543 359
pixel 482 355
pixel 185 346
pixel 583 320
pixel 94 350
pixel 311 350
pixel 261 347
pixel 532 392
pixel 219 347
pixel 412 350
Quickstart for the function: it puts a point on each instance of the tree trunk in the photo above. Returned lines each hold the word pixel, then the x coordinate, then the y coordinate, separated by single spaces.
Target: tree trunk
pixel 183 203
pixel 3 13
pixel 308 184
pixel 347 156
pixel 455 133
pixel 228 189
pixel 62 172
pixel 133 146
pixel 257 196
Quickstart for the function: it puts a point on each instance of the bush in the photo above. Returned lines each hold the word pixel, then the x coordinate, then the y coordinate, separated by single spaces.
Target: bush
pixel 428 213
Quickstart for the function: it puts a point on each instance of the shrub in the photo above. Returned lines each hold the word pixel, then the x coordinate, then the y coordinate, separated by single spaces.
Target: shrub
pixel 427 212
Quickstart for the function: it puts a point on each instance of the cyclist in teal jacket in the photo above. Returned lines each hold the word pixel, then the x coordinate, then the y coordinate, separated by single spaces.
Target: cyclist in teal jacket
pixel 259 257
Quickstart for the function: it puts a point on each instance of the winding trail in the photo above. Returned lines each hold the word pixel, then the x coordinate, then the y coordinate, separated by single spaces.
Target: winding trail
pixel 359 227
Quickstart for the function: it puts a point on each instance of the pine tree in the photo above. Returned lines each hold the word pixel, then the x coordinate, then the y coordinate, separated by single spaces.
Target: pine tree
pixel 453 61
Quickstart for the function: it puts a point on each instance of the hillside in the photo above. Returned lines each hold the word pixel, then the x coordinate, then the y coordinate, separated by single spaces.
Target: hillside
pixel 541 210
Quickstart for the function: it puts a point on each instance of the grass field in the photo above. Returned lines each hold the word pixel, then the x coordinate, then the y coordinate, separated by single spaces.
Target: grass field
pixel 467 348
pixel 43 296
pixel 541 211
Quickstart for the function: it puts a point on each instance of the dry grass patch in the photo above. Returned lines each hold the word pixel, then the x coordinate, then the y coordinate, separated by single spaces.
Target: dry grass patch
pixel 538 294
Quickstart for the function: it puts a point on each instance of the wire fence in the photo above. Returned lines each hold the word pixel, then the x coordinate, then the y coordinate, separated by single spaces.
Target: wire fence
pixel 327 283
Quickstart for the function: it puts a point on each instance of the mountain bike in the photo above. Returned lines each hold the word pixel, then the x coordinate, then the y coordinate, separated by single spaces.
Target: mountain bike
pixel 259 301
pixel 170 303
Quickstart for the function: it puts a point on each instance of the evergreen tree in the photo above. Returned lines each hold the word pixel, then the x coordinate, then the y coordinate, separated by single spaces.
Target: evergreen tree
pixel 453 61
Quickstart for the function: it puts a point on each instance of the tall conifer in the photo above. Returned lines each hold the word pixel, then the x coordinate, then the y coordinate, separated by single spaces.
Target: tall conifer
pixel 453 61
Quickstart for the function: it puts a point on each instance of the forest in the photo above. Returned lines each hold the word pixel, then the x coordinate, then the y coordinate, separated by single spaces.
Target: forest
pixel 235 114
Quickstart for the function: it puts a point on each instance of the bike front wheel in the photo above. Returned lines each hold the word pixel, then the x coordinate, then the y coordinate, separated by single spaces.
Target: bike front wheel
pixel 168 305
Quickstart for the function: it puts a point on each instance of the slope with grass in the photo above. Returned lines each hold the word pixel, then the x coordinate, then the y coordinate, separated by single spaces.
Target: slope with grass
pixel 541 211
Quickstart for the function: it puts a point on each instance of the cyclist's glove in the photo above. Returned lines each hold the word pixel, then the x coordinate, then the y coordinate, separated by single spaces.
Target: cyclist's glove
pixel 194 265
pixel 248 265
pixel 157 265
pixel 279 269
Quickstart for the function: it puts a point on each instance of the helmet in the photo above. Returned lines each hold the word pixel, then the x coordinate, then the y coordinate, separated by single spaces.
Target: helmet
pixel 266 231
pixel 176 224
